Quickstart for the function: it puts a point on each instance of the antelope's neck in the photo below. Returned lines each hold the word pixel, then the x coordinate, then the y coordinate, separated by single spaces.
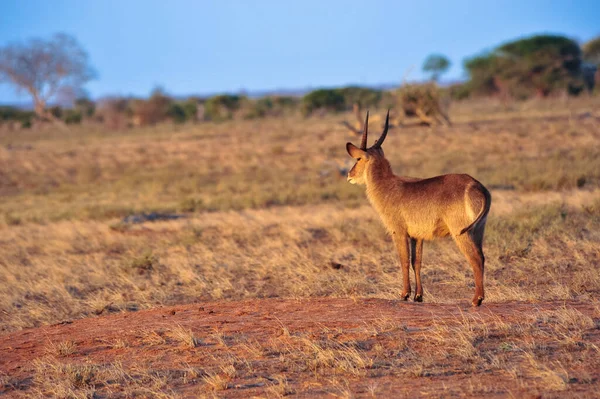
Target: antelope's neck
pixel 379 180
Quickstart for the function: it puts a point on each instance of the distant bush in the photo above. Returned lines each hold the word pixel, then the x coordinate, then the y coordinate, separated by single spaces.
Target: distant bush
pixel 323 99
pixel 151 111
pixel 177 113
pixel 341 99
pixel 56 111
pixel 222 107
pixel 363 96
pixel 113 112
pixel 388 99
pixel 459 91
pixel 183 111
pixel 86 107
pixel 190 109
pixel 270 106
pixel 259 108
pixel 13 114
pixel 286 102
pixel 72 116
pixel 68 115
pixel 576 87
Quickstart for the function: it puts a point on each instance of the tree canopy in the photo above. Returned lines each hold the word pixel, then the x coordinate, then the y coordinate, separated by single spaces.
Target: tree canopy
pixel 537 64
pixel 436 64
pixel 591 51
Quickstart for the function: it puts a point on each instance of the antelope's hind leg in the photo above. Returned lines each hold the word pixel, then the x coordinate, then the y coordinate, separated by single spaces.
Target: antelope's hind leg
pixel 469 244
pixel 416 255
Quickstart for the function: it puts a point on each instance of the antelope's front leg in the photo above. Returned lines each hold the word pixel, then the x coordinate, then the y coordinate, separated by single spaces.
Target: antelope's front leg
pixel 416 256
pixel 401 241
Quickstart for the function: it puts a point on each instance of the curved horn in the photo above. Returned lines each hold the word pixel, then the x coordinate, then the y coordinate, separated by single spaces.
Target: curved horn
pixel 363 143
pixel 379 142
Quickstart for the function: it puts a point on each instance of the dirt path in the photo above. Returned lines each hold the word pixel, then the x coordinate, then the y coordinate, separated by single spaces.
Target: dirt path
pixel 266 339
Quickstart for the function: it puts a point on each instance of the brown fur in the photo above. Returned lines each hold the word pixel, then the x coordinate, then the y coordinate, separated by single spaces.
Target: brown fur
pixel 414 210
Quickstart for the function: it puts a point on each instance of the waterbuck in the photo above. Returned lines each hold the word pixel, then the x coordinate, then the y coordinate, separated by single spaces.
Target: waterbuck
pixel 414 210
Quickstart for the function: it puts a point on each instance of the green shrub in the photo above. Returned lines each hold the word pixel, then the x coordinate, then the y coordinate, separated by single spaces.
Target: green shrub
pixel 190 108
pixel 27 123
pixel 8 114
pixel 327 99
pixel 72 116
pixel 222 107
pixel 459 91
pixel 269 106
pixel 576 87
pixel 56 111
pixel 85 106
pixel 285 102
pixel 177 113
pixel 363 96
pixel 260 108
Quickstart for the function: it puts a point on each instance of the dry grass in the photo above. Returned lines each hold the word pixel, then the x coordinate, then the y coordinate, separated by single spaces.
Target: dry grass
pixel 316 356
pixel 185 336
pixel 62 255
pixel 64 348
pixel 253 164
pixel 490 355
pixel 279 387
pixel 74 380
pixel 72 269
pixel 217 382
pixel 267 214
pixel 152 338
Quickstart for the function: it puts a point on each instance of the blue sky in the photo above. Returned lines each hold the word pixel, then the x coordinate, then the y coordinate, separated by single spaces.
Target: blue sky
pixel 196 47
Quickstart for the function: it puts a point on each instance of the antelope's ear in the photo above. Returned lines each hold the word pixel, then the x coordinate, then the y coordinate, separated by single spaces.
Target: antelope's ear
pixel 354 151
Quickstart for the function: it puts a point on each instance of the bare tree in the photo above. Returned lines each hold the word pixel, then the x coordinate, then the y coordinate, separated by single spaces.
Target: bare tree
pixel 46 69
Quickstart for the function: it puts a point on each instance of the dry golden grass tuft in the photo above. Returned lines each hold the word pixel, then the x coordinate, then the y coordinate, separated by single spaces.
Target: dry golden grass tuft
pixel 279 387
pixel 64 348
pixel 152 338
pixel 185 336
pixel 217 382
pixel 342 358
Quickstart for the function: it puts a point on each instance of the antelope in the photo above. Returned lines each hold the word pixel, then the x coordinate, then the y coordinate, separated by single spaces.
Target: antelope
pixel 414 210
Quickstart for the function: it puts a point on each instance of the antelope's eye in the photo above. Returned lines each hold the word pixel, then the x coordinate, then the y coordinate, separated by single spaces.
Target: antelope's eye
pixel 358 159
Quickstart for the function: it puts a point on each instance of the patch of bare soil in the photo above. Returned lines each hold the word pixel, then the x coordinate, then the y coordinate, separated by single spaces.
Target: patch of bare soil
pixel 312 348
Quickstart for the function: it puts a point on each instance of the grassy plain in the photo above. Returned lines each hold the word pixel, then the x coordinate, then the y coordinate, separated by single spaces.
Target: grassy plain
pixel 267 213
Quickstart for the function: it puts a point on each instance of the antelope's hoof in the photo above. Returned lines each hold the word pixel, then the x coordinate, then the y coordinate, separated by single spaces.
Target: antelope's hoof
pixel 477 301
pixel 418 298
pixel 405 296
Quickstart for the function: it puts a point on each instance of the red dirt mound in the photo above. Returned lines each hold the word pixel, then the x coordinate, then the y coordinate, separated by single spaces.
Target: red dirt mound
pixel 311 347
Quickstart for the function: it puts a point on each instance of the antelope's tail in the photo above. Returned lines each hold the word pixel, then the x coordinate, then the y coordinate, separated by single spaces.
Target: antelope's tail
pixel 484 210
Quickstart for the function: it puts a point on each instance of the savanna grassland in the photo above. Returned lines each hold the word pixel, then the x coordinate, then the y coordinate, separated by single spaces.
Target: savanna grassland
pixel 258 225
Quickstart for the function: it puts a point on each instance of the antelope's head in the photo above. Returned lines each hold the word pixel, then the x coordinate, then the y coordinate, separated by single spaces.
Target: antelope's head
pixel 365 156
